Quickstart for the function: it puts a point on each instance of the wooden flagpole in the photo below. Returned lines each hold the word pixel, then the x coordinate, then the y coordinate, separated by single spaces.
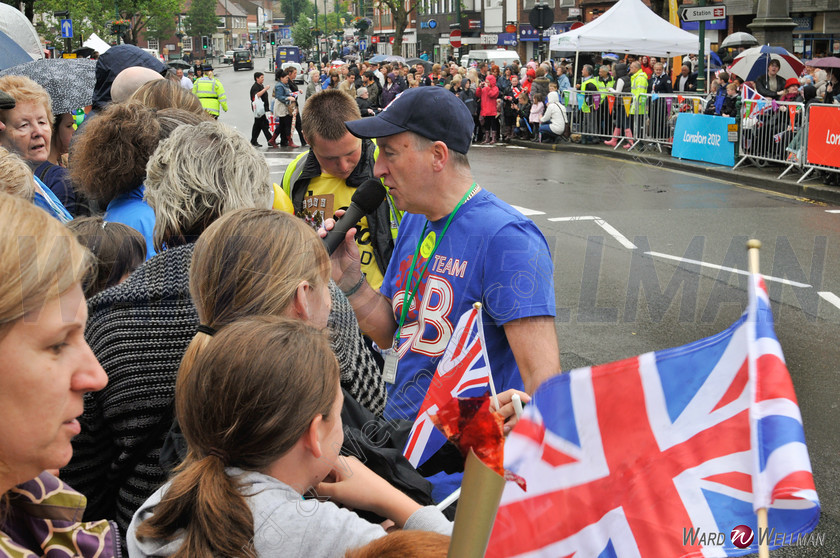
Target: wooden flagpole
pixel 753 246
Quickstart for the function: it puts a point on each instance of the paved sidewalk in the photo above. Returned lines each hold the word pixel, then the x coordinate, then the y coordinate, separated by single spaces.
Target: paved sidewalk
pixel 766 178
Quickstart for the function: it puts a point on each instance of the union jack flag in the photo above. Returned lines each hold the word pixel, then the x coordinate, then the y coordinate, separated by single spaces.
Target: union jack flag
pixel 627 458
pixel 750 94
pixel 463 371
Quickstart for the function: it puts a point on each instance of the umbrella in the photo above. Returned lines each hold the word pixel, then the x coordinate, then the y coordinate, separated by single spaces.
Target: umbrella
pixel 180 64
pixel 68 81
pixel 414 61
pixel 395 58
pixel 752 63
pixel 828 62
pixel 378 58
pixel 609 56
pixel 14 24
pixel 739 39
pixel 83 52
pixel 11 53
pixel 351 56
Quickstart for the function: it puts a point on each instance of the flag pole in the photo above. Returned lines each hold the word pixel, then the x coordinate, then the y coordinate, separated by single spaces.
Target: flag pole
pixel 753 246
pixel 494 398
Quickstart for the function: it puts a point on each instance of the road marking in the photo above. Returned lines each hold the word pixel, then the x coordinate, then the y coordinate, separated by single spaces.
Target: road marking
pixel 515 147
pixel 526 211
pixel 612 231
pixel 732 269
pixel 832 210
pixel 829 296
pixel 273 162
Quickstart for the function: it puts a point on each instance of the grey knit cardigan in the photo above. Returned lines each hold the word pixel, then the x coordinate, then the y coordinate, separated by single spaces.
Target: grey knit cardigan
pixel 139 330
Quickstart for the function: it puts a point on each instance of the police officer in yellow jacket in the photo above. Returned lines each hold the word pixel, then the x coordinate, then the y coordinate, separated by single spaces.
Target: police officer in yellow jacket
pixel 210 92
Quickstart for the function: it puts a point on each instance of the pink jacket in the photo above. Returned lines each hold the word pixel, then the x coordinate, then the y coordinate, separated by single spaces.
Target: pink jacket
pixel 488 96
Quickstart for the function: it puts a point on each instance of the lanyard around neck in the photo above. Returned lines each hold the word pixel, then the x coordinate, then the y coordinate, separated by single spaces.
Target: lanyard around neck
pixel 408 299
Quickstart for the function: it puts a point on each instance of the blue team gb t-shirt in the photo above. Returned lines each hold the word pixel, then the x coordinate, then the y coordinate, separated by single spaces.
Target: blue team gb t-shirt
pixel 491 254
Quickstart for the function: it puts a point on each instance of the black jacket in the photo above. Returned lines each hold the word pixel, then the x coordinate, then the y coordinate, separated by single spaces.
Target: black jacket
pixel 690 85
pixel 660 84
pixel 764 90
pixel 379 221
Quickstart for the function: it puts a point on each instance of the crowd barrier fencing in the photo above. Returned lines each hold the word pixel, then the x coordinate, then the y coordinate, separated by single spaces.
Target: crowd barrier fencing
pixel 649 118
pixel 662 109
pixel 821 140
pixel 772 132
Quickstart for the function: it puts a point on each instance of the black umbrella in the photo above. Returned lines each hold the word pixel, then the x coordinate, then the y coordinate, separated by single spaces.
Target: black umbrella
pixel 179 64
pixel 739 39
pixel 414 61
pixel 68 81
pixel 84 52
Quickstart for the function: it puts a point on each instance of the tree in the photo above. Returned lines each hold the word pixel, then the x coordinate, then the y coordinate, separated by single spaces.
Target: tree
pixel 156 18
pixel 155 15
pixel 294 10
pixel 201 18
pixel 399 14
pixel 302 33
pixel 26 6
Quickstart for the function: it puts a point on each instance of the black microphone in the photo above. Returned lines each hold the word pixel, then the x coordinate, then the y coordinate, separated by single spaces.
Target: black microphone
pixel 366 199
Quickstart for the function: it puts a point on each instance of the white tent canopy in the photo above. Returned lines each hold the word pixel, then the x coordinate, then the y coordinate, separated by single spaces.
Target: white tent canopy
pixel 628 27
pixel 96 43
pixel 14 24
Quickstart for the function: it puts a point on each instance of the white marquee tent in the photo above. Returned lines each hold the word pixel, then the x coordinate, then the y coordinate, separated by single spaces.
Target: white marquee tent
pixel 628 27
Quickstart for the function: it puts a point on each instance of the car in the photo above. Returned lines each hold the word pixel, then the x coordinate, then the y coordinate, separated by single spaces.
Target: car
pixel 154 52
pixel 242 60
pixel 300 73
pixel 228 57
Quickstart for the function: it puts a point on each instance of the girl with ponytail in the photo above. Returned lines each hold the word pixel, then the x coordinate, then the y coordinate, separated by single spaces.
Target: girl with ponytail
pixel 259 406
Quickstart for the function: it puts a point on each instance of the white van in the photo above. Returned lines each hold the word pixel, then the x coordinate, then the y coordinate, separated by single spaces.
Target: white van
pixel 500 56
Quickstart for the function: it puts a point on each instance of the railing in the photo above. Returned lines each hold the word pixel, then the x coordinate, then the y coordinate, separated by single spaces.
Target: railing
pixel 820 140
pixel 771 132
pixel 660 119
pixel 782 133
pixel 649 119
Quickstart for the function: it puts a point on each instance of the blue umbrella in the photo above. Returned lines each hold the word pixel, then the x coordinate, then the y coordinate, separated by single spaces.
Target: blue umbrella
pixel 378 58
pixel 11 53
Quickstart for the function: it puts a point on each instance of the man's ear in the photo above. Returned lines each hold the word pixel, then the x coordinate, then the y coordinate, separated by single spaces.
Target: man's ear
pixel 312 438
pixel 440 153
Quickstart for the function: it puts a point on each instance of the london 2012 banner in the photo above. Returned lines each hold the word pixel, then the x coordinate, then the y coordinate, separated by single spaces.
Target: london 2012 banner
pixel 824 135
pixel 702 137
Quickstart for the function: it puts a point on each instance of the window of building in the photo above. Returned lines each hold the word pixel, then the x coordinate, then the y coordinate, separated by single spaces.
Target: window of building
pixel 155 44
pixel 188 43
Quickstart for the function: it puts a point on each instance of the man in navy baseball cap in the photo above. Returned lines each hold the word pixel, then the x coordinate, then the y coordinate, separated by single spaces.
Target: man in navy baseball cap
pixel 457 244
pixel 431 112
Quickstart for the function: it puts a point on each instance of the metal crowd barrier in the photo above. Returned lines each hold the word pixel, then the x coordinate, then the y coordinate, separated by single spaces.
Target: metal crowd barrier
pixel 811 156
pixel 772 132
pixel 650 118
pixel 657 127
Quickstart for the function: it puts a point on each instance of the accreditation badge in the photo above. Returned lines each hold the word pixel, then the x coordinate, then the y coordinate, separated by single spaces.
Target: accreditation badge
pixel 392 360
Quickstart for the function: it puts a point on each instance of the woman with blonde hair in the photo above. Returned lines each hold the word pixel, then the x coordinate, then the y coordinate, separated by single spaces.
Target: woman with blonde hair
pixel 196 175
pixel 276 444
pixel 16 176
pixel 46 369
pixel 27 131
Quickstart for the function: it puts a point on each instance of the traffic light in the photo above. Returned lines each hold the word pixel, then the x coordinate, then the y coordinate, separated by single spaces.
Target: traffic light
pixel 272 37
pixel 205 42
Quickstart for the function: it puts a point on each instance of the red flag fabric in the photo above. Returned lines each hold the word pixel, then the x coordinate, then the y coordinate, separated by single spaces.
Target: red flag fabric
pixel 462 370
pixel 665 454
